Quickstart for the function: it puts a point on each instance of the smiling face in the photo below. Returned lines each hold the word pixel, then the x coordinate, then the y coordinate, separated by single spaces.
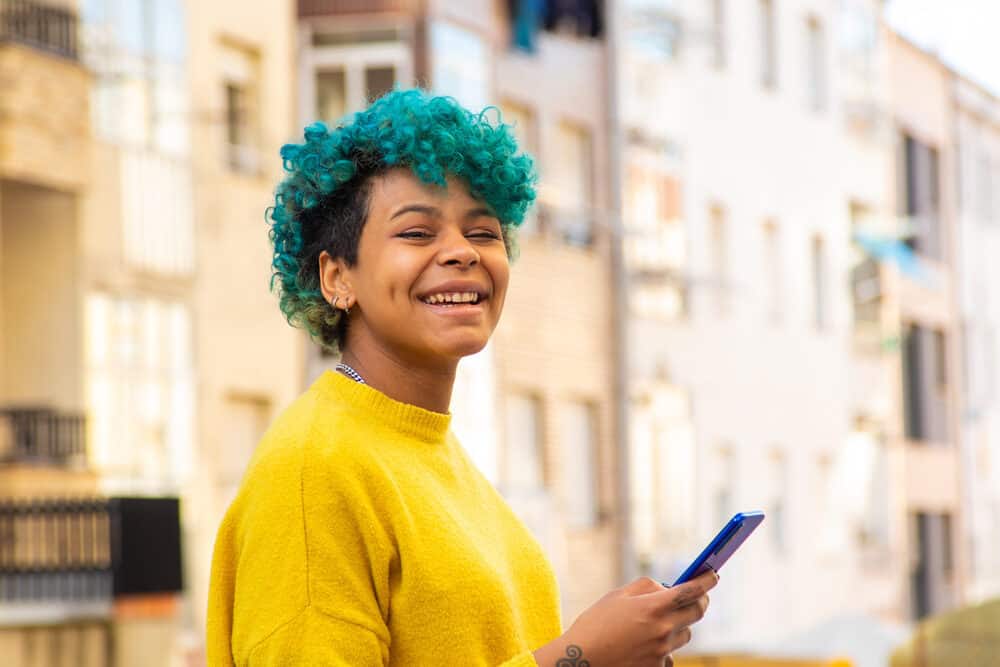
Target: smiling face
pixel 431 273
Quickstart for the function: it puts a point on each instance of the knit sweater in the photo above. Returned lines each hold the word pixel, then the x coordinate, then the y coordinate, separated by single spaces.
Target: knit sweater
pixel 362 534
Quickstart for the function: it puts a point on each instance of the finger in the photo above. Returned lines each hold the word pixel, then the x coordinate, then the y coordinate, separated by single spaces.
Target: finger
pixel 688 592
pixel 642 586
pixel 676 640
pixel 668 661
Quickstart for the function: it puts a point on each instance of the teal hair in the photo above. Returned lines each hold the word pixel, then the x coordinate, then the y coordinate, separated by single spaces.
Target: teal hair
pixel 321 204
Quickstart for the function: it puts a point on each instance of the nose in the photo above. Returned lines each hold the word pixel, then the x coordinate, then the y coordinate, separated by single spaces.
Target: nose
pixel 458 251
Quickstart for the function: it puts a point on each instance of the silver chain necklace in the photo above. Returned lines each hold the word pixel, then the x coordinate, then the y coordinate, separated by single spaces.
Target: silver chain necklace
pixel 349 372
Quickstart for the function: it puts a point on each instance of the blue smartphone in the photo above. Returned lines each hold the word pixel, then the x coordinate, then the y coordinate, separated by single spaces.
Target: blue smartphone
pixel 730 538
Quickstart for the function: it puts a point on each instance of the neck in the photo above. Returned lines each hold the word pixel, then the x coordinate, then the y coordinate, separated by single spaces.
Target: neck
pixel 426 387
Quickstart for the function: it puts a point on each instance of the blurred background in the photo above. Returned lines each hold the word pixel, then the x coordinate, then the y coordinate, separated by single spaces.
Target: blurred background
pixel 762 274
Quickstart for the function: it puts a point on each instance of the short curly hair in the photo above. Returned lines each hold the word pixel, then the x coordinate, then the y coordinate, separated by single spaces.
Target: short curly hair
pixel 322 203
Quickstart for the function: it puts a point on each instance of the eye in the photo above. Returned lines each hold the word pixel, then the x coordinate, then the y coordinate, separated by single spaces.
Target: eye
pixel 484 235
pixel 414 234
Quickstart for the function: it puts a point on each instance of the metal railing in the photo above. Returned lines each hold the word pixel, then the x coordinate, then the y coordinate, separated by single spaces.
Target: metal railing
pixel 339 7
pixel 41 435
pixel 55 550
pixel 88 549
pixel 41 26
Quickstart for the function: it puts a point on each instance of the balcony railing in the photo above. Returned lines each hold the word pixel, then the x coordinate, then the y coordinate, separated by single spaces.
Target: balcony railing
pixel 41 435
pixel 88 549
pixel 52 29
pixel 340 7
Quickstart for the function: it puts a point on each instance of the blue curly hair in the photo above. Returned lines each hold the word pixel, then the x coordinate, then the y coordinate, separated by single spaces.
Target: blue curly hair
pixel 322 202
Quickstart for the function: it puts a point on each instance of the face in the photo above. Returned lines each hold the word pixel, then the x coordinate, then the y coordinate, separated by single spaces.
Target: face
pixel 432 271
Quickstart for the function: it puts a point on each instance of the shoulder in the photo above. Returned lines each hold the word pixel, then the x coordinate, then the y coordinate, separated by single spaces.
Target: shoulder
pixel 315 440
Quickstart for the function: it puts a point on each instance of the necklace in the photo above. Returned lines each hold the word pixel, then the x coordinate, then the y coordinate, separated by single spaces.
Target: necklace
pixel 349 372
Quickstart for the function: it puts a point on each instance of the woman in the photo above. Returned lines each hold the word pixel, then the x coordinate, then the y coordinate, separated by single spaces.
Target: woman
pixel 362 534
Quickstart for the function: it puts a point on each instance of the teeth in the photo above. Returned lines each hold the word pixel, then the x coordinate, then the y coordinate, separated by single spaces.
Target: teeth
pixel 453 297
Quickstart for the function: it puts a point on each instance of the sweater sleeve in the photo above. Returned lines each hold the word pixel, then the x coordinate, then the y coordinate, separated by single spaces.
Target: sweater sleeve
pixel 315 638
pixel 302 574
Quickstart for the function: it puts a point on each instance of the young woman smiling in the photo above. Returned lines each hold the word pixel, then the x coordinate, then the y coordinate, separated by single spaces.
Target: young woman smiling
pixel 362 534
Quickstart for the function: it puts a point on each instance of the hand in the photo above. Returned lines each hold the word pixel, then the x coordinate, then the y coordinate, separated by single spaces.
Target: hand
pixel 638 625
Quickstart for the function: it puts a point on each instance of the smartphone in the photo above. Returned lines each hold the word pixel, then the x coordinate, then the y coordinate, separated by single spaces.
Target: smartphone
pixel 724 545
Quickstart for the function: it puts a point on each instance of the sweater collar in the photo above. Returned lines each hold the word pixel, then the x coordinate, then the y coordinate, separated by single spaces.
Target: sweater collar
pixel 365 402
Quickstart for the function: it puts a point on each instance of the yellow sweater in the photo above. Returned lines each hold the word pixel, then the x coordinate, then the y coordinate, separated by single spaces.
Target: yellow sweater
pixel 363 535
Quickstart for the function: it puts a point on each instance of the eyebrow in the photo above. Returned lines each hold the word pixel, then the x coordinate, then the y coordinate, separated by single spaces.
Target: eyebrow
pixel 426 209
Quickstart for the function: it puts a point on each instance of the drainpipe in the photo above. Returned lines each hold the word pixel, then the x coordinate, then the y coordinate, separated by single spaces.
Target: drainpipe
pixel 619 305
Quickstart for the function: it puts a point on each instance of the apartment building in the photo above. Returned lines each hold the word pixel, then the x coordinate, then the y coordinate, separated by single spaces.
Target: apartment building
pixel 142 352
pixel 757 142
pixel 87 388
pixel 535 409
pixel 976 121
pixel 926 443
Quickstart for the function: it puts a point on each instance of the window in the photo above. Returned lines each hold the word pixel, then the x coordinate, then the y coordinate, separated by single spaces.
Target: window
pixel 140 388
pixel 773 274
pixel 779 499
pixel 137 52
pixel 921 196
pixel 460 64
pixel 655 243
pixel 578 440
pixel 331 95
pixel 240 77
pixel 719 38
pixel 816 64
pixel 925 384
pixel 157 221
pixel 569 184
pixel 246 420
pixel 522 119
pixel 819 280
pixel 768 44
pixel 524 458
pixel 719 258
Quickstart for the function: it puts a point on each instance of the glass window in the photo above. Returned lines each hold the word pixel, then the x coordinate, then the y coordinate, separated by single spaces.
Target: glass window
pixel 719 23
pixel 524 464
pixel 379 81
pixel 578 440
pixel 768 44
pixel 522 120
pixel 331 95
pixel 819 280
pixel 773 279
pixel 140 388
pixel 240 77
pixel 569 183
pixel 460 65
pixel 718 258
pixel 816 64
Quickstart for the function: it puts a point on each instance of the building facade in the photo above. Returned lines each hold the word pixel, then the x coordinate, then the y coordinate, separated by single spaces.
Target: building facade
pixel 977 137
pixel 757 145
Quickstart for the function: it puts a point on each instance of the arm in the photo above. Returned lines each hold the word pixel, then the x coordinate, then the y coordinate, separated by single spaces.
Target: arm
pixel 299 575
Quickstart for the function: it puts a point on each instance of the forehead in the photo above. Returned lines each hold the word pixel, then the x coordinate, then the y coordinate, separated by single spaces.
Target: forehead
pixel 401 185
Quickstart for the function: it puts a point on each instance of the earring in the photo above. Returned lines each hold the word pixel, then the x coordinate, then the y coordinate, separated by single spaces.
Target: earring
pixel 336 299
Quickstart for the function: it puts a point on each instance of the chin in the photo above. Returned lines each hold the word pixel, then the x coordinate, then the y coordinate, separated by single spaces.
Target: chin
pixel 462 348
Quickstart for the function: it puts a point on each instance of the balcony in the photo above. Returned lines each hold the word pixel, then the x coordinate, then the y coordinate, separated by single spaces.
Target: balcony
pixel 44 109
pixel 61 556
pixel 41 436
pixel 50 29
pixel 314 8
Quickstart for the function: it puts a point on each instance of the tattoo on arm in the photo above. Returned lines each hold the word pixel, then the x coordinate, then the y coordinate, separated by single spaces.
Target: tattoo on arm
pixel 573 658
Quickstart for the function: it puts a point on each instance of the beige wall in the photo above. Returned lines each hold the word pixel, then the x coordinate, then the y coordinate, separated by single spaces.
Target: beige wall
pixel 39 281
pixel 555 338
pixel 242 344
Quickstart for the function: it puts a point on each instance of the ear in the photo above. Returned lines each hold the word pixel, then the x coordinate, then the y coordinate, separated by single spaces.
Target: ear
pixel 335 280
